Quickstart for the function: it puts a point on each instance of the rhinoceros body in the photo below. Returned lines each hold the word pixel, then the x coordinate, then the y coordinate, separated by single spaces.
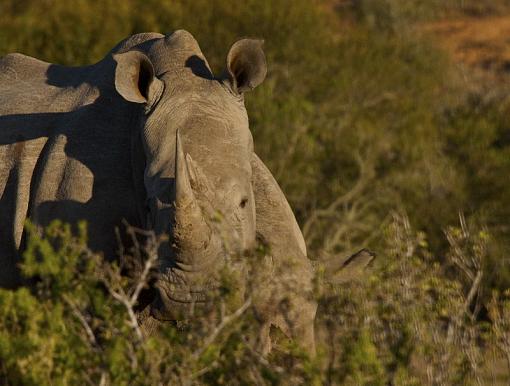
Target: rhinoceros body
pixel 65 152
pixel 147 135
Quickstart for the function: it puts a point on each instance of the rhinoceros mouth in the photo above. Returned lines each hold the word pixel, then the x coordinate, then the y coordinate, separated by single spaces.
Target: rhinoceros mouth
pixel 181 294
pixel 176 302
pixel 185 287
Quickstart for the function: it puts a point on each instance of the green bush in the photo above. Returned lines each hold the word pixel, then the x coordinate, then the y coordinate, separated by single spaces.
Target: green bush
pixel 410 321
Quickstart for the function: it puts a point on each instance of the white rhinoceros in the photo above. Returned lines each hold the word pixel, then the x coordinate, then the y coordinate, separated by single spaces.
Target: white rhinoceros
pixel 147 135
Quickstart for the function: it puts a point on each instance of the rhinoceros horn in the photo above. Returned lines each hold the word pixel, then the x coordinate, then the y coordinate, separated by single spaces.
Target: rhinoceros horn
pixel 195 242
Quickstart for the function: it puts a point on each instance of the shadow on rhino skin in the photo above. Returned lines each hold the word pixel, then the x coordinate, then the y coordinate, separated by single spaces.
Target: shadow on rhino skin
pixel 198 67
pixel 95 137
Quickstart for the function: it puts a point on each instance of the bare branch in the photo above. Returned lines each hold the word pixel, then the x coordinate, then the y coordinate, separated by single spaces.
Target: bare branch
pixel 366 174
pixel 291 149
pixel 88 330
pixel 204 370
pixel 129 301
pixel 260 358
pixel 225 322
pixel 142 281
pixel 475 285
pixel 122 298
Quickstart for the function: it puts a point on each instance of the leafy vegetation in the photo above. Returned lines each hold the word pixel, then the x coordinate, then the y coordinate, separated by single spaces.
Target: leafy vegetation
pixel 410 321
pixel 362 116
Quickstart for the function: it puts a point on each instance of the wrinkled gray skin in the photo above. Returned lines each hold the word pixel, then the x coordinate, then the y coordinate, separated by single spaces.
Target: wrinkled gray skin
pixel 148 135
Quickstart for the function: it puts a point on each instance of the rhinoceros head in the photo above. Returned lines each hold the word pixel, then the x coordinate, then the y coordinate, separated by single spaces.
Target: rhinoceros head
pixel 198 150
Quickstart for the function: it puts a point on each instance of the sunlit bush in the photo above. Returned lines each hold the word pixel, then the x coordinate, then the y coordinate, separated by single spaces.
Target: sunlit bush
pixel 407 321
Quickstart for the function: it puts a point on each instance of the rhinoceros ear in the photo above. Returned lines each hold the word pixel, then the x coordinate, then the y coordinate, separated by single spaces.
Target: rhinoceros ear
pixel 134 78
pixel 339 270
pixel 246 65
pixel 275 220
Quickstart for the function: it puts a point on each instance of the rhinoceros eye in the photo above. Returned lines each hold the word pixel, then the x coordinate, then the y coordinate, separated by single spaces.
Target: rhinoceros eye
pixel 244 202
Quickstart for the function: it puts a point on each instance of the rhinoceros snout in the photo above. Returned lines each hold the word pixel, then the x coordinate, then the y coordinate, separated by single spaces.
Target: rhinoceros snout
pixel 176 300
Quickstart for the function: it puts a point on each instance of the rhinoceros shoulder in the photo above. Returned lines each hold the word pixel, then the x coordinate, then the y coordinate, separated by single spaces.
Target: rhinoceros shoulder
pixel 22 81
pixel 275 219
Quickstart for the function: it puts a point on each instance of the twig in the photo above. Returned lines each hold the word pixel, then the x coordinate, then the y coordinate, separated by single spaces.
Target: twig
pixel 469 298
pixel 291 148
pixel 129 302
pixel 122 298
pixel 88 330
pixel 366 174
pixel 226 320
pixel 104 379
pixel 142 281
pixel 204 370
pixel 260 358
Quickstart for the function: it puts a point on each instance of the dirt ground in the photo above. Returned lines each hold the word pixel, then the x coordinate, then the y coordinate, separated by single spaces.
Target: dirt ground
pixel 481 43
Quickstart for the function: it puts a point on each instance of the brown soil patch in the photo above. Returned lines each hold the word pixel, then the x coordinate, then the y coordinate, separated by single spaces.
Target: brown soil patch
pixel 482 43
